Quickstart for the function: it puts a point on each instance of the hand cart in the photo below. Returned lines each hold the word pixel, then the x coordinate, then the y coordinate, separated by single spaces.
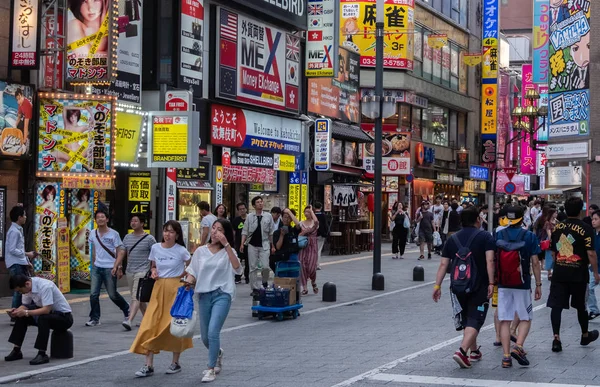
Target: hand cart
pixel 285 269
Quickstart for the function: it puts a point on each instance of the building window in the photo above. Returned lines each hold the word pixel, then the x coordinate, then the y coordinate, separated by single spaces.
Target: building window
pixel 462 131
pixel 457 10
pixel 404 121
pixel 418 52
pixel 435 125
pixel 416 122
pixel 427 57
pixel 454 66
pixel 464 13
pixel 446 66
pixel 437 65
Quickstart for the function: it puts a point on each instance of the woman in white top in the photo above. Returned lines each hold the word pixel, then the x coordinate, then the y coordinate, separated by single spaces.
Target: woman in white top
pixel 211 272
pixel 169 260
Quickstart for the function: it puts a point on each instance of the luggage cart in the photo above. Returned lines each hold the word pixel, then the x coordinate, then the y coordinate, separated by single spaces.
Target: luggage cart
pixel 285 269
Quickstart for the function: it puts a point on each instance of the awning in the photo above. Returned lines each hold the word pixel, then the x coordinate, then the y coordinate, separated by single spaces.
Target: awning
pixel 555 191
pixel 346 169
pixel 352 133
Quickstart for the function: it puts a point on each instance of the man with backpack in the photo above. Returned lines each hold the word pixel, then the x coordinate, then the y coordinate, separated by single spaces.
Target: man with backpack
pixel 572 251
pixel 470 252
pixel 517 251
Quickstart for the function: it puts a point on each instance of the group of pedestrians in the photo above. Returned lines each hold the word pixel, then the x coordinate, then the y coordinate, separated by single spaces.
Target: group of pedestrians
pixel 482 264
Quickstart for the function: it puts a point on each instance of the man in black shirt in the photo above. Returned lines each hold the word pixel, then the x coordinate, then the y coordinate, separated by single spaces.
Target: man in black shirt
pixel 285 240
pixel 475 304
pixel 238 225
pixel 572 252
pixel 425 221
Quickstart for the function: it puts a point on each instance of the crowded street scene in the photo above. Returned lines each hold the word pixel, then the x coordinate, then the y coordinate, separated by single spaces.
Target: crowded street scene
pixel 299 193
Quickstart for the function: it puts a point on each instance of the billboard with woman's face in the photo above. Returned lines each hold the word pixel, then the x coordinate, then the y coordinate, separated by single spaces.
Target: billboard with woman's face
pixel 90 25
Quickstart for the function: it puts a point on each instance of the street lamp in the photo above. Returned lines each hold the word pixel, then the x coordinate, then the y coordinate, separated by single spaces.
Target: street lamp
pixel 525 117
pixel 378 107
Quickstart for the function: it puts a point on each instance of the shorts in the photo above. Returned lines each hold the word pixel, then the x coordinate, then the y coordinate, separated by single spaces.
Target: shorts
pixel 426 237
pixel 511 301
pixel 561 292
pixel 133 280
pixel 474 309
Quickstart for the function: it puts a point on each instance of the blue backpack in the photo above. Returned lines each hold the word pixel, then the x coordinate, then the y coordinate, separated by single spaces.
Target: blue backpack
pixel 463 274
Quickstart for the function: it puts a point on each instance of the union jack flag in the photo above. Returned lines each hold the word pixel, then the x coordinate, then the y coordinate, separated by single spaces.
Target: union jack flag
pixel 292 46
pixel 315 9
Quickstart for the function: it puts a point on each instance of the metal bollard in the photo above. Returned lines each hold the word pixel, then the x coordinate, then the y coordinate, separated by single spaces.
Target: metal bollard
pixel 418 273
pixel 378 282
pixel 329 292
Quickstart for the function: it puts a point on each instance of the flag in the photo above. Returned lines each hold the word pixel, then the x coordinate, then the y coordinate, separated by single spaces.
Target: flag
pixel 228 25
pixel 315 9
pixel 315 22
pixel 228 53
pixel 315 36
pixel 292 48
pixel 291 74
pixel 227 82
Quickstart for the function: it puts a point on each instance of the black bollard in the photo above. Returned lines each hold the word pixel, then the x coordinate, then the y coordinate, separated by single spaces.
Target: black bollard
pixel 61 345
pixel 418 273
pixel 329 292
pixel 378 282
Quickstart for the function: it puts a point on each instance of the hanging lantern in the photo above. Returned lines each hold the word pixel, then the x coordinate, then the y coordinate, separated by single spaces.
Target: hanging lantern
pixel 371 202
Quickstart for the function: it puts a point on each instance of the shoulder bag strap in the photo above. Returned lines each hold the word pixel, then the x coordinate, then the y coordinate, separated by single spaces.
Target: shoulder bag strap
pixel 472 238
pixel 137 243
pixel 103 246
pixel 457 242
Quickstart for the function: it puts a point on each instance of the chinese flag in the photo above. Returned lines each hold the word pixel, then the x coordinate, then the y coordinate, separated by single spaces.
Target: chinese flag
pixel 228 53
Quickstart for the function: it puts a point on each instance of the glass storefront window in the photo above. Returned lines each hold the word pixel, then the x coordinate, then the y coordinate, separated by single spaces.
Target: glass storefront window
pixel 435 131
pixel 454 67
pixel 187 203
pixel 446 66
pixel 437 65
pixel 404 119
pixel 416 122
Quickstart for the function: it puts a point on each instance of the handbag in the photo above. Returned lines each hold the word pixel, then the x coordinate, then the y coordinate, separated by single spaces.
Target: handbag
pixel 406 222
pixel 545 245
pixel 302 241
pixel 144 289
pixel 184 327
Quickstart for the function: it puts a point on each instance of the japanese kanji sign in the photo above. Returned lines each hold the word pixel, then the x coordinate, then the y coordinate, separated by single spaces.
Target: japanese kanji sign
pixel 24 34
pixel 489 81
pixel 541 39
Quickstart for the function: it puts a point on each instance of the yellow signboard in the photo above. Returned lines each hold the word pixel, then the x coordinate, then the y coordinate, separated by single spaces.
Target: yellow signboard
pixel 284 163
pixel 472 59
pixel 437 41
pixel 63 260
pixel 357 31
pixel 129 128
pixel 294 198
pixel 139 188
pixel 489 108
pixel 170 139
pixel 490 61
pixel 304 191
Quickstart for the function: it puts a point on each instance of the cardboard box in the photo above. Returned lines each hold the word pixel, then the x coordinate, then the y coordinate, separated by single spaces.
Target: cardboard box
pixel 288 283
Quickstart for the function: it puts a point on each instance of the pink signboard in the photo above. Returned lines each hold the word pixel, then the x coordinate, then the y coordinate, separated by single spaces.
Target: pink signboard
pixel 528 155
pixel 503 121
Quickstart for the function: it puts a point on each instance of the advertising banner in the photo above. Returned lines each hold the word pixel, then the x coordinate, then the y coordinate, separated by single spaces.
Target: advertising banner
pixel 489 108
pixel 24 34
pixel 338 97
pixel 219 184
pixel 75 135
pixel 504 120
pixel 90 27
pixel 50 204
pixel 569 150
pixel 53 69
pixel 241 128
pixel 127 86
pixel 569 114
pixel 528 155
pixel 82 203
pixel 560 176
pixel 172 140
pixel 128 133
pixel 395 155
pixel 249 175
pixel 478 172
pixel 344 195
pixel 462 160
pixel 285 163
pixel 257 63
pixel 191 46
pixel 541 167
pixel 16 120
pixel 178 101
pixel 488 150
pixel 322 152
pixel 294 193
pixel 2 220
pixel 321 41
pixel 63 280
pixel 171 192
pixel 251 159
pixel 292 12
pixel 140 195
pixel 357 23
pixel 489 82
pixel 541 39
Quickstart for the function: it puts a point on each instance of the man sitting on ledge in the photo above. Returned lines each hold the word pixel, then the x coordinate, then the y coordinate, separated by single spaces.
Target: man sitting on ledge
pixel 43 305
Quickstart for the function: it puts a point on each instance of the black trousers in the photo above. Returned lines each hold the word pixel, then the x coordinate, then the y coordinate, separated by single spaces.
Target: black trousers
pixel 399 235
pixel 46 322
pixel 243 258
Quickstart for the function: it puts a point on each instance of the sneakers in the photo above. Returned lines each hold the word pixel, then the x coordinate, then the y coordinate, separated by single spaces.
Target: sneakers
pixel 506 362
pixel 520 356
pixel 209 376
pixel 475 355
pixel 593 315
pixel 15 354
pixel 127 325
pixel 462 360
pixel 219 365
pixel 92 323
pixel 395 256
pixel 592 336
pixel 173 369
pixel 145 371
pixel 557 345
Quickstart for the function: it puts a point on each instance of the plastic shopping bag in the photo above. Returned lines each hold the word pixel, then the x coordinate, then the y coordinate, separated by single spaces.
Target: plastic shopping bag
pixel 437 239
pixel 184 327
pixel 183 307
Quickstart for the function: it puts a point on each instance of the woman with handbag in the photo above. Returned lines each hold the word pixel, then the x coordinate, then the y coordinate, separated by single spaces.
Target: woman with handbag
pixel 168 262
pixel 211 272
pixel 309 243
pixel 400 231
pixel 543 228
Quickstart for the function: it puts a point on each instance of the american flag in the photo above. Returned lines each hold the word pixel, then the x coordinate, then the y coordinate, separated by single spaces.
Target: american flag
pixel 315 9
pixel 292 51
pixel 228 25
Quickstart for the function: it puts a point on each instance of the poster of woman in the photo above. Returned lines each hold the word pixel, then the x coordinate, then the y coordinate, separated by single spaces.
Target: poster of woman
pixel 47 212
pixel 81 223
pixel 16 119
pixel 89 28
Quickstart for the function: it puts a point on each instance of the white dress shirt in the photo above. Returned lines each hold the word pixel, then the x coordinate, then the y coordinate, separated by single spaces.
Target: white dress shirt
pixel 15 246
pixel 45 293
pixel 215 271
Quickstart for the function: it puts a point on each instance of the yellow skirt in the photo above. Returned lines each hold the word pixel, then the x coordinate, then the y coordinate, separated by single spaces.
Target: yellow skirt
pixel 154 334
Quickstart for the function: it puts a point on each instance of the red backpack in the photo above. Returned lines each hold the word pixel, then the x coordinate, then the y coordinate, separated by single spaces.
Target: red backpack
pixel 509 260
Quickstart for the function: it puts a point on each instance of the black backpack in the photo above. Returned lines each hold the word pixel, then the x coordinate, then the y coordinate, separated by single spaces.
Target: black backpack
pixel 463 275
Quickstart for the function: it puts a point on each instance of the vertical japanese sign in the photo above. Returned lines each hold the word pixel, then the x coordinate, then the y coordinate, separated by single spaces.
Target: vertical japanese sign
pixel 90 27
pixel 191 45
pixel 219 184
pixel 140 195
pixel 81 212
pixel 63 277
pixel 53 68
pixel 294 192
pixel 504 120
pixel 321 39
pixel 528 155
pixel 541 39
pixel 171 191
pixel 49 200
pixel 75 135
pixel 489 82
pixel 542 133
pixel 2 220
pixel 257 63
pixel 569 98
pixel 322 144
pixel 357 30
pixel 303 194
pixel 24 34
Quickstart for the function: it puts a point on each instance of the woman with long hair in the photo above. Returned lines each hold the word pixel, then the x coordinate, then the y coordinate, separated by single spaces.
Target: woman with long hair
pixel 543 228
pixel 211 272
pixel 168 261
pixel 88 16
pixel 220 211
pixel 309 255
pixel 399 233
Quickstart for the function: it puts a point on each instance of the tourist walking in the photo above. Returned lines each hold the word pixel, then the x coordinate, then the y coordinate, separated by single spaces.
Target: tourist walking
pixel 238 225
pixel 400 232
pixel 425 223
pixel 220 211
pixel 257 238
pixel 206 223
pixel 308 256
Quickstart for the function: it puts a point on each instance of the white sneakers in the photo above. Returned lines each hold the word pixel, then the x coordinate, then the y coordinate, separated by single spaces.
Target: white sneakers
pixel 219 362
pixel 209 376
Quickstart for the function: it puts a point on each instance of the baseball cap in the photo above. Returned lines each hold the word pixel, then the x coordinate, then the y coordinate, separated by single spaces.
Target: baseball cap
pixel 509 216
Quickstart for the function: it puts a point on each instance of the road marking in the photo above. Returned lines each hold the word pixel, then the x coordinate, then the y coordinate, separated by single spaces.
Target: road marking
pixel 417 379
pixel 29 374
pixel 404 359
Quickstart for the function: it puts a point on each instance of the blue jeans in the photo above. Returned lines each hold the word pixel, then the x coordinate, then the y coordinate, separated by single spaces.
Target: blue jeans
pixel 13 271
pixel 214 307
pixel 103 276
pixel 592 304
